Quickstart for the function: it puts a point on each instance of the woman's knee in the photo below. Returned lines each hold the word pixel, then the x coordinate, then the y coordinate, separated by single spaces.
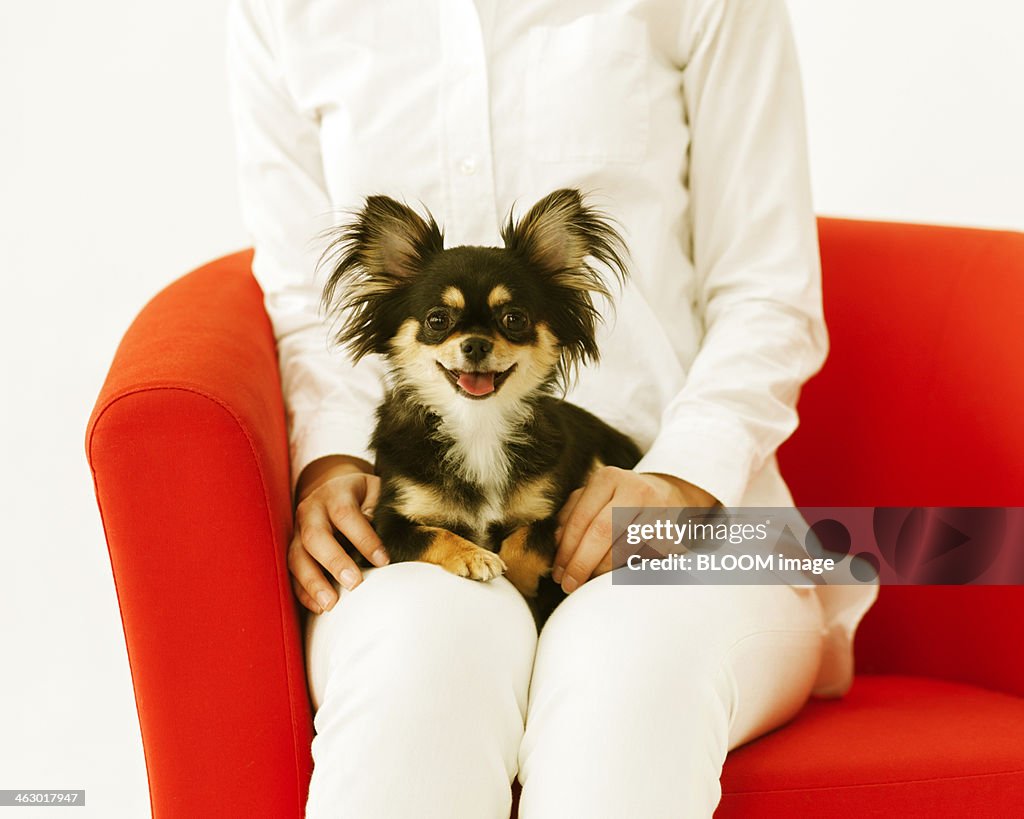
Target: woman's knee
pixel 408 623
pixel 422 605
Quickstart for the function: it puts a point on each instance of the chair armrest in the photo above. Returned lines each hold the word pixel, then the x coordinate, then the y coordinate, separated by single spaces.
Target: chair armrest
pixel 189 454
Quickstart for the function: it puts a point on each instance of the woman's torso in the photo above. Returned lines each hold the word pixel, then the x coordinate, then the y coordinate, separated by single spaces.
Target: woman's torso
pixel 471 109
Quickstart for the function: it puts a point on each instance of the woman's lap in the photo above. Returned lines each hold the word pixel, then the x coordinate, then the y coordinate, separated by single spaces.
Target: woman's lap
pixel 420 681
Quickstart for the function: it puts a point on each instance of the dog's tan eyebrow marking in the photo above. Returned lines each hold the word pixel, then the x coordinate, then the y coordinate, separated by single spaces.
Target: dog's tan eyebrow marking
pixel 498 296
pixel 453 297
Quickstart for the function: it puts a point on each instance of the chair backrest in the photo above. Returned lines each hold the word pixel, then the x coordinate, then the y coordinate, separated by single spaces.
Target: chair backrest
pixel 921 403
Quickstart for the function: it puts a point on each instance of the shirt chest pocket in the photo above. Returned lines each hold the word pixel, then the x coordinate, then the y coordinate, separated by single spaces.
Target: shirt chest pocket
pixel 587 94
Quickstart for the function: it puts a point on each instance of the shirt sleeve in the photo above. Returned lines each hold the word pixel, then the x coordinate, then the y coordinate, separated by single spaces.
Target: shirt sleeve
pixel 755 251
pixel 329 401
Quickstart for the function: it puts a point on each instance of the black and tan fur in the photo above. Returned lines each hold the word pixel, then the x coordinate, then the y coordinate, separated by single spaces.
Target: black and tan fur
pixel 476 451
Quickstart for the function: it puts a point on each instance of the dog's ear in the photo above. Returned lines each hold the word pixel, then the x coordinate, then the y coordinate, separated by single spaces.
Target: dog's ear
pixel 558 237
pixel 559 233
pixel 379 252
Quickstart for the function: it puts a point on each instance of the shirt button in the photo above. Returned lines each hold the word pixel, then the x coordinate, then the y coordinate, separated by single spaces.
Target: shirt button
pixel 468 165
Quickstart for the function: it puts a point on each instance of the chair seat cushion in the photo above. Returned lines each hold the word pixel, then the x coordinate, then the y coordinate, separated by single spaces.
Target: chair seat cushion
pixel 893 746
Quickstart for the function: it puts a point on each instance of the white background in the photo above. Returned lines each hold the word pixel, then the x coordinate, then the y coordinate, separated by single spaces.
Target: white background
pixel 116 175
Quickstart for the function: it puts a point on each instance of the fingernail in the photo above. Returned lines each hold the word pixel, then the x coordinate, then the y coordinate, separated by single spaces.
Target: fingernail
pixel 570 585
pixel 558 535
pixel 556 574
pixel 324 599
pixel 380 558
pixel 349 579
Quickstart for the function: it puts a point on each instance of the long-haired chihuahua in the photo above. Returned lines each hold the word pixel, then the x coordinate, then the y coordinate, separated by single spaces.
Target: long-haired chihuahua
pixel 475 449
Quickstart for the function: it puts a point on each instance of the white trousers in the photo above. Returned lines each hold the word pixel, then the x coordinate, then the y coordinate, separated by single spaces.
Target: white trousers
pixel 432 693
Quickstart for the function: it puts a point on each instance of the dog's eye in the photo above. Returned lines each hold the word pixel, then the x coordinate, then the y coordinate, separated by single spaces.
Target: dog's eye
pixel 438 321
pixel 515 320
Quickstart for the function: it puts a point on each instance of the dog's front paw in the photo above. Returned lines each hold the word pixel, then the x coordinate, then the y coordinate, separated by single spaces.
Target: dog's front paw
pixel 460 557
pixel 478 564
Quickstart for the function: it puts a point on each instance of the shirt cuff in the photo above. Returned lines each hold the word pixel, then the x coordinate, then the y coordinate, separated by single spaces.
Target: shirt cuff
pixel 718 458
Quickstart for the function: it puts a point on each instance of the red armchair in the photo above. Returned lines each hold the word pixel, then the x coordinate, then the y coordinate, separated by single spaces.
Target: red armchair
pixel 919 404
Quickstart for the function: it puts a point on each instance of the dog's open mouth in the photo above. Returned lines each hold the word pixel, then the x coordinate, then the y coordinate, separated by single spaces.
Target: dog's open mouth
pixel 477 384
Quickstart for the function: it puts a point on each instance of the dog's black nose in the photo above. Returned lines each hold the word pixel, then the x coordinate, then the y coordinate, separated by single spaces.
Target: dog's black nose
pixel 475 349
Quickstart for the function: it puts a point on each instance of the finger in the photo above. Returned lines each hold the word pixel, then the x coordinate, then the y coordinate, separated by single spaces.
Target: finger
pixel 604 566
pixel 620 549
pixel 308 576
pixel 567 507
pixel 595 546
pixel 563 515
pixel 305 599
pixel 372 495
pixel 352 523
pixel 318 540
pixel 592 499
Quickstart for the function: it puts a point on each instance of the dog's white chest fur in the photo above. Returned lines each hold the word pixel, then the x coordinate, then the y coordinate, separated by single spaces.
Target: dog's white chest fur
pixel 481 433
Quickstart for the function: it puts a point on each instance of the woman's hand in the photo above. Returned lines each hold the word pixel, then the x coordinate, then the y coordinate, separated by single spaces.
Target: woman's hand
pixel 585 522
pixel 340 493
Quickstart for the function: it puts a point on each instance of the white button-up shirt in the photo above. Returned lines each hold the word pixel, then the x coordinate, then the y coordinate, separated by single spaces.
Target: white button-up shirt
pixel 683 120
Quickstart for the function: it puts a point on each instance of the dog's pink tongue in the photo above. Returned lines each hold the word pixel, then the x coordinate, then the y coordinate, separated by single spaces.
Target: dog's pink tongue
pixel 477 383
